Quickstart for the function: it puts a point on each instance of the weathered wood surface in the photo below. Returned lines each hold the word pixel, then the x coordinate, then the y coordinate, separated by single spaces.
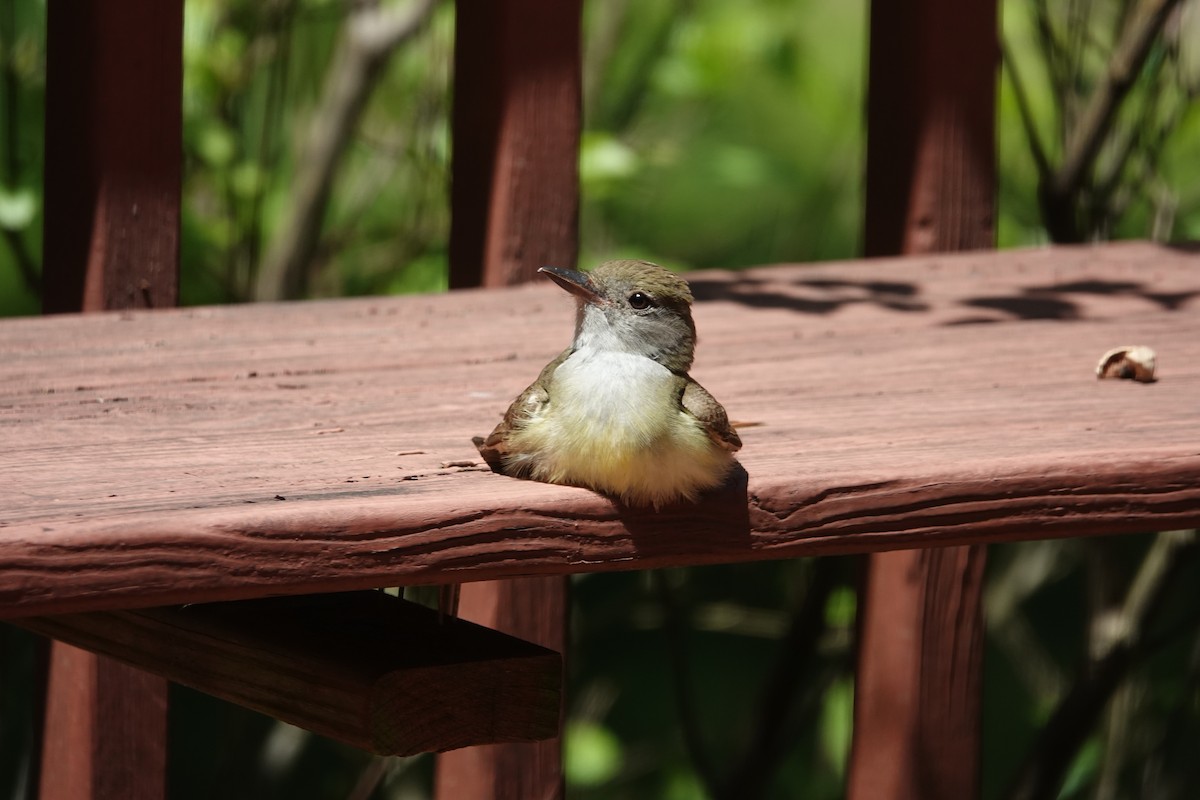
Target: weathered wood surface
pixel 931 187
pixel 220 453
pixel 366 668
pixel 114 121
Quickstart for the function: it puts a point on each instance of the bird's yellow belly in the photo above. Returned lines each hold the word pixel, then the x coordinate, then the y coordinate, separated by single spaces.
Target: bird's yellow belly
pixel 620 431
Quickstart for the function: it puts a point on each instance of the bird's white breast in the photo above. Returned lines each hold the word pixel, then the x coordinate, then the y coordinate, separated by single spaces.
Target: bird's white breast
pixel 621 399
pixel 614 423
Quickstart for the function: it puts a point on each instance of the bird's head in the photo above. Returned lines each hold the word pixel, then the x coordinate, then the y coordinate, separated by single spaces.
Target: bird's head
pixel 633 307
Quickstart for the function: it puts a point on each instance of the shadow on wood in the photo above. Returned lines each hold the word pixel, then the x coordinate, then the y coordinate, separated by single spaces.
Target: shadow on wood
pixel 718 522
pixel 366 668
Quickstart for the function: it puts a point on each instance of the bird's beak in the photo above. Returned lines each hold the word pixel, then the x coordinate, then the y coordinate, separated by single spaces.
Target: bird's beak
pixel 574 282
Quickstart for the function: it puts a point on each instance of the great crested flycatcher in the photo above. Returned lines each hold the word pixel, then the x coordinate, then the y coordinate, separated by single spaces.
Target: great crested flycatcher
pixel 616 411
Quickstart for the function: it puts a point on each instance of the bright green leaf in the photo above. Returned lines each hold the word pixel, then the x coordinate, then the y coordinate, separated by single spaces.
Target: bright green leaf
pixel 246 180
pixel 605 157
pixel 837 723
pixel 217 145
pixel 841 607
pixel 1083 768
pixel 592 754
pixel 18 207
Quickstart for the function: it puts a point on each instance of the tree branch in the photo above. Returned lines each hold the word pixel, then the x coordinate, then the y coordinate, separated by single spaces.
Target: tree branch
pixel 1009 587
pixel 689 723
pixel 752 777
pixel 1059 193
pixel 1025 112
pixel 1041 776
pixel 368 38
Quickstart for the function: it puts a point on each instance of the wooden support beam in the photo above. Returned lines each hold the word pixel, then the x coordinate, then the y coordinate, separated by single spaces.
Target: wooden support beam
pixel 515 207
pixel 516 122
pixel 931 144
pixel 114 117
pixel 534 609
pixel 917 691
pixel 365 668
pixel 931 185
pixel 114 83
pixel 105 729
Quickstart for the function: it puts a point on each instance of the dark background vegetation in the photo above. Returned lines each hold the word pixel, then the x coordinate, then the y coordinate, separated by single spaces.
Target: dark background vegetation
pixel 719 133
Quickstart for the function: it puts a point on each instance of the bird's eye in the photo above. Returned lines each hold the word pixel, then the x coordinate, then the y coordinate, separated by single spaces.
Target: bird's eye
pixel 639 301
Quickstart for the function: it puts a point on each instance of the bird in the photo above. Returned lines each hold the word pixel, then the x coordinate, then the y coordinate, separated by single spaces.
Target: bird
pixel 616 412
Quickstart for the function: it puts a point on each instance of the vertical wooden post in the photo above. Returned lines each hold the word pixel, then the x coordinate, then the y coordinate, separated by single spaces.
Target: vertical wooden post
pixel 105 729
pixel 533 609
pixel 917 691
pixel 931 184
pixel 114 81
pixel 514 207
pixel 515 179
pixel 931 143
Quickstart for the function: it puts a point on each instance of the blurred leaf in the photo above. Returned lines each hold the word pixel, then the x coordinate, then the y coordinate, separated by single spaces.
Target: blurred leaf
pixel 837 724
pixel 603 157
pixel 1083 769
pixel 841 608
pixel 684 786
pixel 246 180
pixel 216 144
pixel 425 273
pixel 592 754
pixel 741 167
pixel 18 207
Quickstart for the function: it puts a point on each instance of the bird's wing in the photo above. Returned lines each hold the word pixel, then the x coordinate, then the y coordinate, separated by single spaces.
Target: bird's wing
pixel 704 407
pixel 494 448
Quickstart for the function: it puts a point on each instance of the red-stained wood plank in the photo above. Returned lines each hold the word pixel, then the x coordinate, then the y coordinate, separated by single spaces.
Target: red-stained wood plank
pixel 105 729
pixel 515 207
pixel 366 668
pixel 114 85
pixel 114 116
pixel 917 692
pixel 533 609
pixel 931 186
pixel 516 122
pixel 224 453
pixel 931 150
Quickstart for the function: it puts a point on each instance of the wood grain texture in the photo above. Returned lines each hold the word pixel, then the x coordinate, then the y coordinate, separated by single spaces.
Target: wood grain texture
pixel 223 453
pixel 366 668
pixel 918 684
pixel 114 162
pixel 931 186
pixel 114 157
pixel 105 729
pixel 931 149
pixel 516 119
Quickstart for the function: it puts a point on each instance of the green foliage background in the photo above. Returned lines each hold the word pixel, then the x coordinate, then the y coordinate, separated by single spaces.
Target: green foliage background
pixel 719 133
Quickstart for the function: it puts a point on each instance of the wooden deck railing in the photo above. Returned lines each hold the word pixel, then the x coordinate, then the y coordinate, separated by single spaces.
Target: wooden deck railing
pixel 916 407
pixel 220 453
